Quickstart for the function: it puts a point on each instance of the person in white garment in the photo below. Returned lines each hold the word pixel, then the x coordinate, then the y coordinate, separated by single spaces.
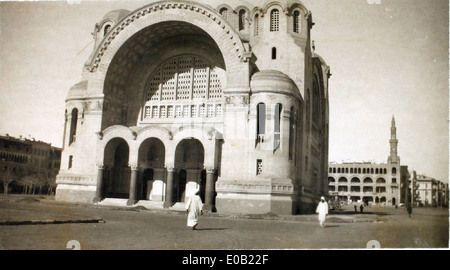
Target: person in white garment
pixel 322 210
pixel 194 209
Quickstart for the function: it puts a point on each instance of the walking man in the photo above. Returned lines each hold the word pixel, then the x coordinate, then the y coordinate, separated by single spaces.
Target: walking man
pixel 194 209
pixel 322 210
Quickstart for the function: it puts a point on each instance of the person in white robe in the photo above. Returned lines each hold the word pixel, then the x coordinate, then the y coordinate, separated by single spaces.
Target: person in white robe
pixel 322 210
pixel 194 209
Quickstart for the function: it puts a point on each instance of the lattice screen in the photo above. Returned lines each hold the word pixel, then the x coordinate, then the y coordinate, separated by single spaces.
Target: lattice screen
pixel 184 78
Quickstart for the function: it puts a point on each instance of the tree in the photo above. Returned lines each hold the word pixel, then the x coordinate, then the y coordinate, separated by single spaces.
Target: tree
pixel 7 177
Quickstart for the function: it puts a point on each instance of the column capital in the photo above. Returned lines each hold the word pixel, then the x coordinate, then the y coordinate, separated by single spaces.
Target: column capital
pixel 210 169
pixel 170 168
pixel 134 167
pixel 101 166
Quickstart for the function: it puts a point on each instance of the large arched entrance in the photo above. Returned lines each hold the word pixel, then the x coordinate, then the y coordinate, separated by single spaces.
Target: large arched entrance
pixel 117 180
pixel 189 159
pixel 151 161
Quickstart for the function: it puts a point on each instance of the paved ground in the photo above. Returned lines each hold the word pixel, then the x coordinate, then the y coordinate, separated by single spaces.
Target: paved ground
pixel 137 228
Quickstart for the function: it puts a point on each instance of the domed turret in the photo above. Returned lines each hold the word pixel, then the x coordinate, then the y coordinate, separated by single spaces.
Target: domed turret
pixel 115 16
pixel 77 91
pixel 273 81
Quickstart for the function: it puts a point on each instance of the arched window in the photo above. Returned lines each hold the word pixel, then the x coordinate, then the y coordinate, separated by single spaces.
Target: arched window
pixel 73 126
pixel 224 13
pixel 256 25
pixel 106 29
pixel 274 20
pixel 261 121
pixel 296 21
pixel 241 19
pixel 394 171
pixel 274 53
pixel 277 125
pixel 292 134
pixel 334 170
pixel 342 180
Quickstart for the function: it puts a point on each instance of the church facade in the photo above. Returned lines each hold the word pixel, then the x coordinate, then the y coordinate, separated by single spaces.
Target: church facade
pixel 226 97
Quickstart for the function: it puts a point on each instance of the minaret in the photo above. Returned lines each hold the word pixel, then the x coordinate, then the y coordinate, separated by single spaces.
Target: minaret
pixel 393 157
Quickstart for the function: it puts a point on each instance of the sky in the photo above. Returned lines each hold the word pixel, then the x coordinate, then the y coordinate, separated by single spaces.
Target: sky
pixel 387 58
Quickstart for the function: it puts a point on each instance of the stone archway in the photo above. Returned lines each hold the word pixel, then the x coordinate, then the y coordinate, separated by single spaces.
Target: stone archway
pixel 116 180
pixel 189 161
pixel 151 157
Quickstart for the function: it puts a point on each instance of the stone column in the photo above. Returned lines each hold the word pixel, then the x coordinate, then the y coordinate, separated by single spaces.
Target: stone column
pixel 168 202
pixel 210 189
pixel 99 191
pixel 133 185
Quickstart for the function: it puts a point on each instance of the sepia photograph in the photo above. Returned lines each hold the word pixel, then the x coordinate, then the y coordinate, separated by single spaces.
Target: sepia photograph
pixel 213 125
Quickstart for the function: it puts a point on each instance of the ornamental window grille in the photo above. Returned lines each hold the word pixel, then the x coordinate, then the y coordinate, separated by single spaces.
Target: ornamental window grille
pixel 210 110
pixel 148 112
pixel 259 166
pixel 168 88
pixel 184 78
pixel 274 20
pixel 170 111
pixel 185 111
pixel 224 13
pixel 162 112
pixel 296 21
pixel 202 111
pixel 193 110
pixel 154 111
pixel 241 19
pixel 178 111
pixel 218 110
pixel 184 81
pixel 256 25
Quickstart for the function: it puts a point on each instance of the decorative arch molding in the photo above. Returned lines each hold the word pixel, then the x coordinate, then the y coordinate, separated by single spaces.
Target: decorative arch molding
pixel 196 131
pixel 247 10
pixel 284 9
pixel 117 131
pixel 161 133
pixel 298 6
pixel 256 10
pixel 221 6
pixel 79 105
pixel 231 47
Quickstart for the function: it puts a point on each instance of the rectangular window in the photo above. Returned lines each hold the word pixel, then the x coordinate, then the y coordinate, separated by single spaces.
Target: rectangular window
pixel 193 110
pixel 261 121
pixel 178 111
pixel 170 111
pixel 277 124
pixel 259 166
pixel 70 161
pixel 154 111
pixel 218 110
pixel 210 110
pixel 186 111
pixel 202 111
pixel 162 112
